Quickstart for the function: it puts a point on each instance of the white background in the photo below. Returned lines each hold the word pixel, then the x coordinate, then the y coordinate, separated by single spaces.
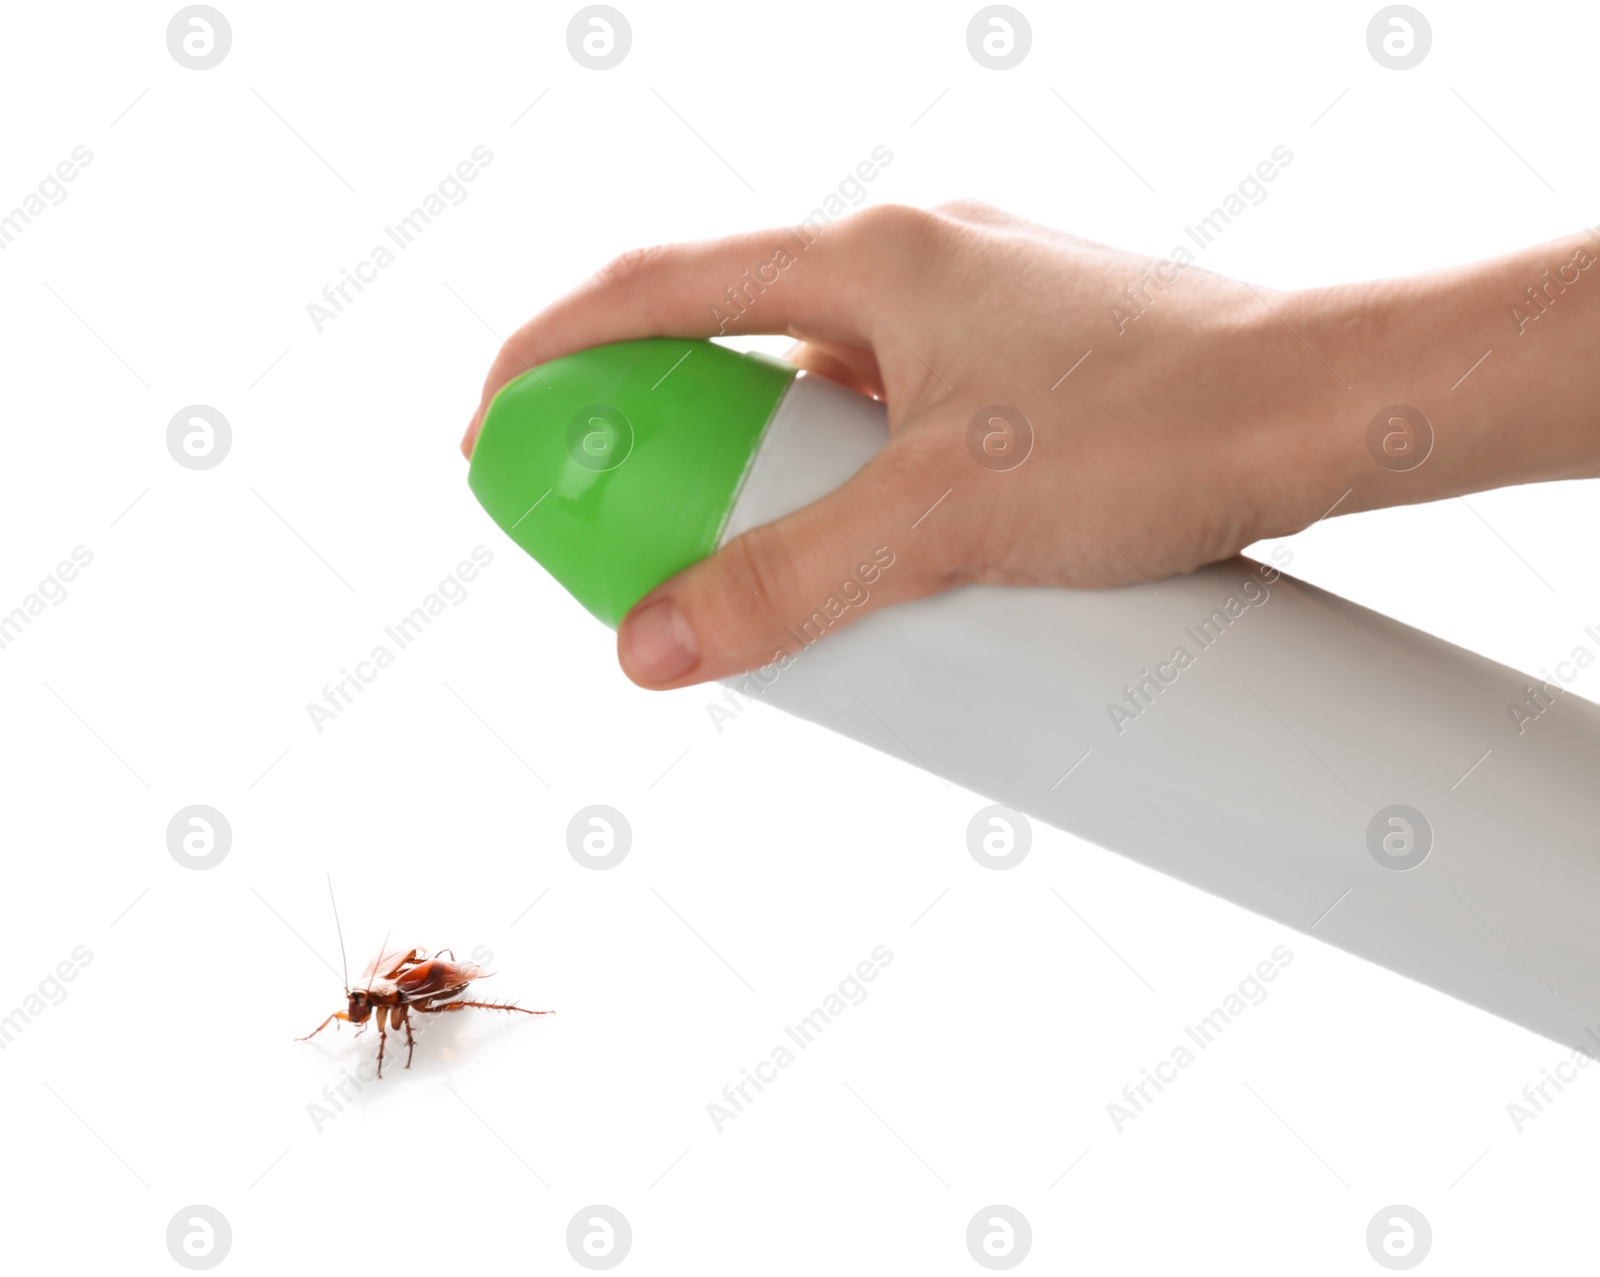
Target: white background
pixel 768 859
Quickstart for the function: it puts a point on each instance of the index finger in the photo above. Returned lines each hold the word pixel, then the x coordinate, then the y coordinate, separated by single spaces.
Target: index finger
pixel 783 280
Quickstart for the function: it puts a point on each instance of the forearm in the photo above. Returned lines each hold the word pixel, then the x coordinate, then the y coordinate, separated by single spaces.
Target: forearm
pixel 1501 358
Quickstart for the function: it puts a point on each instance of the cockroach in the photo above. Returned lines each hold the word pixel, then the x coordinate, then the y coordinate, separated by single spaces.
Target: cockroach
pixel 402 981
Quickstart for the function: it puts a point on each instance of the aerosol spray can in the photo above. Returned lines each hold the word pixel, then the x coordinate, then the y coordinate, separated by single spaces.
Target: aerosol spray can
pixel 1249 734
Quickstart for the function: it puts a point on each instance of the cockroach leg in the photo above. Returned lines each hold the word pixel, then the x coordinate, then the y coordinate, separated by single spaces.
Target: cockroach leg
pixel 337 1015
pixel 487 1006
pixel 411 1042
pixel 382 1038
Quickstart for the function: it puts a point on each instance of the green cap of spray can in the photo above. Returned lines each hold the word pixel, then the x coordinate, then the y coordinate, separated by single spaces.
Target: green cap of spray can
pixel 617 467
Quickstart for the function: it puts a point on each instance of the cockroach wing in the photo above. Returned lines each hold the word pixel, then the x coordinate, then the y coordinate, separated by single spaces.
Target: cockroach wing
pixel 434 978
pixel 390 962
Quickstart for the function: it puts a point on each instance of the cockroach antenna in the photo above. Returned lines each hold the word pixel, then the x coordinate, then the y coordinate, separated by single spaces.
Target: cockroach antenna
pixel 378 961
pixel 344 962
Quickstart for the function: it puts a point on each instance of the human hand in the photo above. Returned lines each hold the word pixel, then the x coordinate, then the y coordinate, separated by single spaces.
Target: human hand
pixel 1176 415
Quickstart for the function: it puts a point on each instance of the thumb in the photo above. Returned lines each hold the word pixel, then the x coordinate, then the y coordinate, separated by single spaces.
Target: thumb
pixel 768 595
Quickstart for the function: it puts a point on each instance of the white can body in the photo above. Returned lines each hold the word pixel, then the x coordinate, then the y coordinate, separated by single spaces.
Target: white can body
pixel 1309 754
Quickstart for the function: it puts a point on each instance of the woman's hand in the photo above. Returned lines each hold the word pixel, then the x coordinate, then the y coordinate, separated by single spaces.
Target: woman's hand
pixel 1164 416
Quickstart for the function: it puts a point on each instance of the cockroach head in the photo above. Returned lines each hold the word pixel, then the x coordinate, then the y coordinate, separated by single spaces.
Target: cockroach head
pixel 360 1006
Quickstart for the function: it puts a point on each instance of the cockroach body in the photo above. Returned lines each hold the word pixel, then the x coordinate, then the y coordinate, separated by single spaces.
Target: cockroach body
pixel 401 981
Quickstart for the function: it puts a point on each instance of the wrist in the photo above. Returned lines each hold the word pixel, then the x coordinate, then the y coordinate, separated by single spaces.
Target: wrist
pixel 1455 381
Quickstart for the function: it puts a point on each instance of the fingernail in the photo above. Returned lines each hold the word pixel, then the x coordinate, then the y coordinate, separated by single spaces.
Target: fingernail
pixel 657 645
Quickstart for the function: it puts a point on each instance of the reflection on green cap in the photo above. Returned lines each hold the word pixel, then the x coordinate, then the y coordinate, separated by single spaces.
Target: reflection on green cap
pixel 616 467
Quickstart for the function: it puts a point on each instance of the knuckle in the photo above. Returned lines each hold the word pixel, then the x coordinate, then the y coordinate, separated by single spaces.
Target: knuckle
pixel 969 210
pixel 762 558
pixel 631 266
pixel 883 227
